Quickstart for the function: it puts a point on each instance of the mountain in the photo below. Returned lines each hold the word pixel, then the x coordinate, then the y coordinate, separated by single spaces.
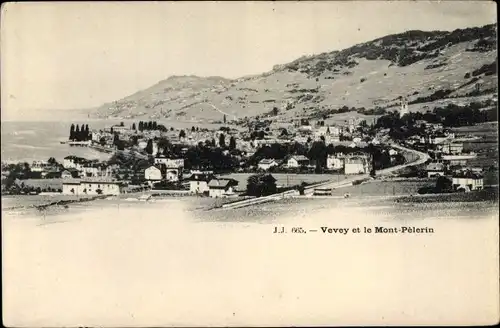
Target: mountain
pixel 428 68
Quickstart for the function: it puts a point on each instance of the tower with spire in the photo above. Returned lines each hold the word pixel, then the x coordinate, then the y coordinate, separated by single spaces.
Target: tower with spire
pixel 404 107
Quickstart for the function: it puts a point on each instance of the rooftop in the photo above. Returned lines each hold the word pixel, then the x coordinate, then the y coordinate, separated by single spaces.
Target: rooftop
pixel 222 183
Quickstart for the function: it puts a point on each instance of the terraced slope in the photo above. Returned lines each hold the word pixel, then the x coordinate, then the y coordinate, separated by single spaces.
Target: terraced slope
pixel 429 68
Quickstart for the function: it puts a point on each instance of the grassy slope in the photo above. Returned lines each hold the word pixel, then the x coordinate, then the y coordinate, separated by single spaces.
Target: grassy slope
pixel 182 97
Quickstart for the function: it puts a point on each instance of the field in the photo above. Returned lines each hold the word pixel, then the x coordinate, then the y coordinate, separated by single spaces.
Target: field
pixel 284 179
pixel 380 188
pixel 486 148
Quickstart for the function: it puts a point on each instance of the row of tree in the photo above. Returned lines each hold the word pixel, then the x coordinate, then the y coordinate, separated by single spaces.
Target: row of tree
pixel 79 133
pixel 149 126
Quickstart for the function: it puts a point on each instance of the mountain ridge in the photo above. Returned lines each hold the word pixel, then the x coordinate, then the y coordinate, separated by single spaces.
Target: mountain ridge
pixel 409 64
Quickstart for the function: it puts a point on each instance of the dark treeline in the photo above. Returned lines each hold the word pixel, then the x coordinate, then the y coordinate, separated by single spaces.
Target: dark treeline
pixel 450 116
pixel 149 126
pixel 80 133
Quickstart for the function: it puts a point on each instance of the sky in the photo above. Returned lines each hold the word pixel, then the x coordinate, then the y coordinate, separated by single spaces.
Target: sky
pixel 78 55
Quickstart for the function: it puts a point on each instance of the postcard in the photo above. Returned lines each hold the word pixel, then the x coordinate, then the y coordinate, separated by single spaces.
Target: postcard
pixel 330 163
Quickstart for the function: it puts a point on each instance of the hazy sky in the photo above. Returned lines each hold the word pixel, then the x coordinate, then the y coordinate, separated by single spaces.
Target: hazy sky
pixel 80 55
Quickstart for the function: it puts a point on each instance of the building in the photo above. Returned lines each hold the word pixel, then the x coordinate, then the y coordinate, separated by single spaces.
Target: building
pixel 467 181
pixel 92 187
pixel 70 174
pixel 119 128
pixel 73 162
pixel 266 164
pixel 221 187
pixel 356 165
pixel 328 131
pixel 297 161
pixel 404 107
pixel 334 162
pixel 198 182
pixel 153 174
pixel 92 169
pixel 451 148
pixel 435 169
pixel 40 166
pixel 174 167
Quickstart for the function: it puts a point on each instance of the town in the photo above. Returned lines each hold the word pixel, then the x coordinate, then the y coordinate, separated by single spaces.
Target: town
pixel 148 156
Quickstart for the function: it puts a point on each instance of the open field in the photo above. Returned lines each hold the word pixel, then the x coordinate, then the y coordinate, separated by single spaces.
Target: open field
pixel 284 179
pixel 486 147
pixel 380 188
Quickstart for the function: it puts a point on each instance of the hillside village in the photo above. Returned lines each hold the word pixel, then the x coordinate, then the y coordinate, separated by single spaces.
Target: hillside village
pixel 362 112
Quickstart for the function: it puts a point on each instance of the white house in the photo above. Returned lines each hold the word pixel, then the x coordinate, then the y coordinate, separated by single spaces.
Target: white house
pixel 334 163
pixel 40 166
pixel 169 162
pixel 452 148
pixel 73 162
pixel 392 152
pixel 356 165
pixel 297 161
pixel 221 187
pixel 467 181
pixel 328 131
pixel 173 167
pixel 153 174
pixel 119 128
pixel 266 164
pixel 198 182
pixel 435 170
pixel 92 187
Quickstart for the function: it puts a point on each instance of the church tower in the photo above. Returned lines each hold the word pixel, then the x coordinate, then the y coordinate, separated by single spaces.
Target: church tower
pixel 404 107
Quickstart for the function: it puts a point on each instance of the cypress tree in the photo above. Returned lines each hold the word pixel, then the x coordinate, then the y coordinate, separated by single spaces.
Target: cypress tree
pixel 232 143
pixel 77 133
pixel 72 132
pixel 222 140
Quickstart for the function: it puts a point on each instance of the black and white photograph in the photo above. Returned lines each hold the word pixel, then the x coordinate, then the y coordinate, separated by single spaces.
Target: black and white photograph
pixel 241 163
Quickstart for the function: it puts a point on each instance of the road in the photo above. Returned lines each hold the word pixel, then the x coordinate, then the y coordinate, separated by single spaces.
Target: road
pixel 422 158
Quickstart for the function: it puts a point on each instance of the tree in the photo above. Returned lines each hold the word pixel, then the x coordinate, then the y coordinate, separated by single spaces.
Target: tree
pixel 122 124
pixel 77 133
pixel 141 126
pixel 150 125
pixel 261 185
pixel 72 132
pixel 224 118
pixel 275 111
pixel 318 153
pixel 193 129
pixel 87 132
pixel 52 161
pixel 133 126
pixel 182 134
pixel 222 140
pixel 232 143
pixel 443 185
pixel 149 147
